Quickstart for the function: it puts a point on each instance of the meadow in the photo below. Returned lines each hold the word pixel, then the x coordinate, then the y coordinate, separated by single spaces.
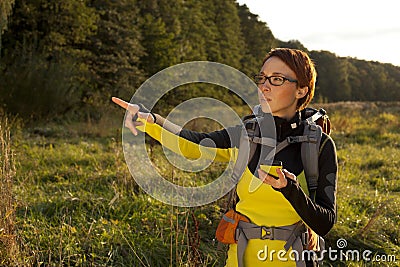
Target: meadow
pixel 68 198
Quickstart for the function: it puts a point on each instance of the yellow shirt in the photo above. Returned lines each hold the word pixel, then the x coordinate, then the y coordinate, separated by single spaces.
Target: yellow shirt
pixel 263 206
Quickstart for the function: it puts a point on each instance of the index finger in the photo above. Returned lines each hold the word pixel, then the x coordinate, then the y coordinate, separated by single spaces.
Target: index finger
pixel 120 102
pixel 132 108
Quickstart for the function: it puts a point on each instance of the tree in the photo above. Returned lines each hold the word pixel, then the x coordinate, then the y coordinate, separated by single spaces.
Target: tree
pixel 258 40
pixel 333 78
pixel 56 29
pixel 158 45
pixel 42 56
pixel 293 44
pixel 229 37
pixel 115 51
pixel 5 11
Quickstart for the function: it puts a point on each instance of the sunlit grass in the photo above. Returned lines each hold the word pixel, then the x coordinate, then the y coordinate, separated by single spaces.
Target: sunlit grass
pixel 78 205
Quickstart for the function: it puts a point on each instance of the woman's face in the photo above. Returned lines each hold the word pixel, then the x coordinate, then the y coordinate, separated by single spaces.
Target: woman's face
pixel 280 100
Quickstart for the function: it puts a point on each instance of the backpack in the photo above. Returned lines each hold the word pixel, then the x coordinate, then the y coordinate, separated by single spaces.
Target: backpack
pixel 315 122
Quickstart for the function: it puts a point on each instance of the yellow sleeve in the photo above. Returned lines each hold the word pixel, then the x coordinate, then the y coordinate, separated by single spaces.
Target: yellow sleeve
pixel 185 147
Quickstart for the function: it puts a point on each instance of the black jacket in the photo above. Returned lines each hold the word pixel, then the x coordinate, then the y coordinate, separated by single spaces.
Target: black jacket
pixel 319 215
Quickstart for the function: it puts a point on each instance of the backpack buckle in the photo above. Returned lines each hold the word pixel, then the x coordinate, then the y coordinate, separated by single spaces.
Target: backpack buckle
pixel 269 233
pixel 251 130
pixel 322 111
pixel 312 139
pixel 313 127
pixel 292 139
pixel 250 137
pixel 305 238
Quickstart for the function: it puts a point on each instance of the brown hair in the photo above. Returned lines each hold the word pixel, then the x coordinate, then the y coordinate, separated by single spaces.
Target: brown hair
pixel 303 66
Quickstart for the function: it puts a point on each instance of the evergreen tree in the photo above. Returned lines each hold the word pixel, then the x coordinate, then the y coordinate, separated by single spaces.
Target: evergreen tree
pixel 54 54
pixel 195 32
pixel 332 80
pixel 115 51
pixel 158 45
pixel 42 56
pixel 258 40
pixel 55 29
pixel 229 38
pixel 5 12
pixel 293 44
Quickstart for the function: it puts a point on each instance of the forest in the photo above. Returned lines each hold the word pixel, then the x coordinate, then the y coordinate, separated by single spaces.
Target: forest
pixel 66 58
pixel 67 197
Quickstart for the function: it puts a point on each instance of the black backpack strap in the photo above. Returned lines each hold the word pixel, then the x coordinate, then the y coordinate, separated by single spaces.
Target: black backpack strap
pixel 247 148
pixel 291 140
pixel 310 155
pixel 310 143
pixel 246 151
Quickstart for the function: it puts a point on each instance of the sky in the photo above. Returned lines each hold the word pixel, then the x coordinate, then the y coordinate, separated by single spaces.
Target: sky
pixel 368 30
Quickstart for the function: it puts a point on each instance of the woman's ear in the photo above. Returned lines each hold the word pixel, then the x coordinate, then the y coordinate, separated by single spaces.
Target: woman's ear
pixel 301 92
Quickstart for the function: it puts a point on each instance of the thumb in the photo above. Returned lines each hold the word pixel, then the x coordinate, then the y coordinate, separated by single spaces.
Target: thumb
pixel 146 116
pixel 289 175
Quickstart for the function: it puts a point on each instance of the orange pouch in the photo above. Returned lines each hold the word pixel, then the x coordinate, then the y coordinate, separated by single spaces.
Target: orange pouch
pixel 226 229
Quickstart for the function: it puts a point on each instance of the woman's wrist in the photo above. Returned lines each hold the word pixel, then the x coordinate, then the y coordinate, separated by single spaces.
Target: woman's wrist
pixel 154 117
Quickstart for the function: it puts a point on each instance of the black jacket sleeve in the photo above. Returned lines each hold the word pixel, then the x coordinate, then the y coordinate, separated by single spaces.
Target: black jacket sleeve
pixel 225 138
pixel 320 215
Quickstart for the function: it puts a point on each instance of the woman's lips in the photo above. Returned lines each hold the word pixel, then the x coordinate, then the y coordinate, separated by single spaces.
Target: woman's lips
pixel 266 99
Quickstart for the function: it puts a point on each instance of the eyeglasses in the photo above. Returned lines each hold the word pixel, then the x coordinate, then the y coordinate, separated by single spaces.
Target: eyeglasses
pixel 274 79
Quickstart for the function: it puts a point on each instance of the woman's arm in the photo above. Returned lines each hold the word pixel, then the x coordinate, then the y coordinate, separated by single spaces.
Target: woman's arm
pixel 320 215
pixel 166 124
pixel 167 133
pixel 225 138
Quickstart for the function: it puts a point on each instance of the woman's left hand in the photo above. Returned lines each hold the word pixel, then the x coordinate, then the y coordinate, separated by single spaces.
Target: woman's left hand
pixel 281 182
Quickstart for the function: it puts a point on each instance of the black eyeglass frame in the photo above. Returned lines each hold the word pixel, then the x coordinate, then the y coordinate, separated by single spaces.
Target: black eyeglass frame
pixel 257 80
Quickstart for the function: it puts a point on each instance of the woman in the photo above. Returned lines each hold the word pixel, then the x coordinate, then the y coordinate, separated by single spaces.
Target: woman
pixel 286 84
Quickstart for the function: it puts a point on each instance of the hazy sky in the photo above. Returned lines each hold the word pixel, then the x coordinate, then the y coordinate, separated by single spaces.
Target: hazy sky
pixel 367 29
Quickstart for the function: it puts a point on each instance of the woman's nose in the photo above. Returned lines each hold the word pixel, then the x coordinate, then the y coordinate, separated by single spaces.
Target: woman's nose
pixel 264 87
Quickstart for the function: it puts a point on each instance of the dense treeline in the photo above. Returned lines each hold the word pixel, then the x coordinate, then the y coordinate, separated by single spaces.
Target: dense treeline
pixel 69 57
pixel 355 80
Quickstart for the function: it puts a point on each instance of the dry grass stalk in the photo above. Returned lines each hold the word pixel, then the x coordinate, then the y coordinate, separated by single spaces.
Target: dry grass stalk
pixel 8 245
pixel 373 219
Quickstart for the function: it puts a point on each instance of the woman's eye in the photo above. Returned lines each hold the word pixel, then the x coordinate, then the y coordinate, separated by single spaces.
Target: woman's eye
pixel 259 78
pixel 277 79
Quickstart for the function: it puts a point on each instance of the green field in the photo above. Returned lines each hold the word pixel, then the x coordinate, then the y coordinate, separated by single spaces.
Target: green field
pixel 74 203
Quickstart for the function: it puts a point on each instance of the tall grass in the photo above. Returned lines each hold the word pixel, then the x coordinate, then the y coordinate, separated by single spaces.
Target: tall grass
pixel 367 137
pixel 9 251
pixel 69 199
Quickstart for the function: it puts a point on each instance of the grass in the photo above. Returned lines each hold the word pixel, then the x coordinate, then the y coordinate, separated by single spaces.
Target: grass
pixel 367 138
pixel 74 202
pixel 10 253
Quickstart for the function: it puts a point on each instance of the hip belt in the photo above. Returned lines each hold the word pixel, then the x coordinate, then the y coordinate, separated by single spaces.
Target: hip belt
pixel 295 235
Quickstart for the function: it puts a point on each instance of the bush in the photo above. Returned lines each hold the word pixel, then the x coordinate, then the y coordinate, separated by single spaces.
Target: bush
pixel 39 89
